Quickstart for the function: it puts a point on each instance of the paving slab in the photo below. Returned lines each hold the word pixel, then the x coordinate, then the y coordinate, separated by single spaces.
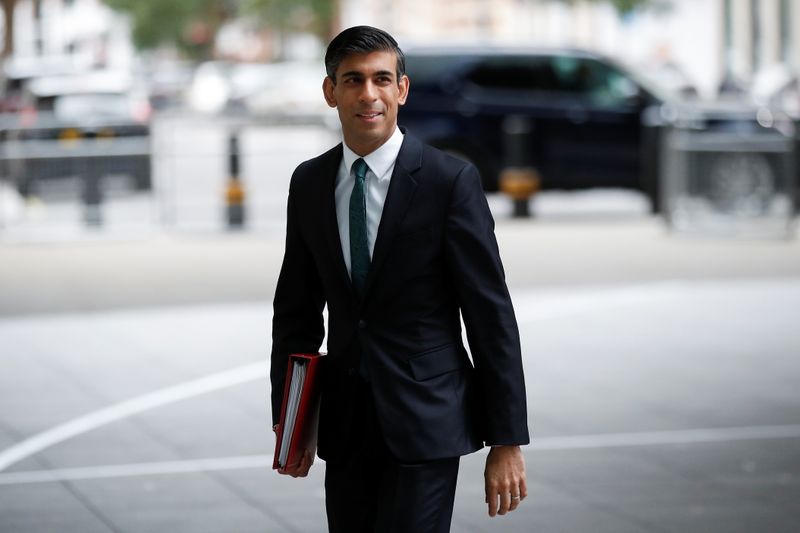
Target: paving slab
pixel 179 503
pixel 46 509
pixel 619 360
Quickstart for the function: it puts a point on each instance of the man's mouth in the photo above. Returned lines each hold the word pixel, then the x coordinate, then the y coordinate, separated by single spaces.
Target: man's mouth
pixel 369 114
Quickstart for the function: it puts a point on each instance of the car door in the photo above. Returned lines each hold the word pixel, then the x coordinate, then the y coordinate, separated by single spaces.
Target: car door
pixel 579 121
pixel 603 106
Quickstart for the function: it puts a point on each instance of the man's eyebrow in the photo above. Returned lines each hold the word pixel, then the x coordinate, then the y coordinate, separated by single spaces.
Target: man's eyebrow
pixel 358 74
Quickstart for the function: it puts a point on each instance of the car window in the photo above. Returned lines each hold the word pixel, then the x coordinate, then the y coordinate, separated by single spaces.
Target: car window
pixel 78 107
pixel 598 82
pixel 435 69
pixel 515 73
pixel 567 75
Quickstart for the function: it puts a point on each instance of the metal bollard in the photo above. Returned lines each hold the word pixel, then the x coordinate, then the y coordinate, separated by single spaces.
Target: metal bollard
pixel 234 192
pixel 92 199
pixel 518 180
pixel 520 184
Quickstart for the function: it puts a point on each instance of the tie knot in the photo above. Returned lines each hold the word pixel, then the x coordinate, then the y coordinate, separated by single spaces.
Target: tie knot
pixel 360 167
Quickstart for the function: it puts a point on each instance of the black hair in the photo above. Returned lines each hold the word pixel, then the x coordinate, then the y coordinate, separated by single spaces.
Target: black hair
pixel 361 40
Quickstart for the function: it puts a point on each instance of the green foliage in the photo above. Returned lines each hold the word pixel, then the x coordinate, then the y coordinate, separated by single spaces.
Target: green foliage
pixel 189 24
pixel 313 16
pixel 622 6
pixel 625 6
pixel 192 24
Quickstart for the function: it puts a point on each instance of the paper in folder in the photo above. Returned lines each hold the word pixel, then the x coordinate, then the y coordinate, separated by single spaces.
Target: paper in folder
pixel 297 430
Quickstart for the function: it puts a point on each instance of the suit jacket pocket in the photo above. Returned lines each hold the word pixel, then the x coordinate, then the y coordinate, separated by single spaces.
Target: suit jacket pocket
pixel 438 361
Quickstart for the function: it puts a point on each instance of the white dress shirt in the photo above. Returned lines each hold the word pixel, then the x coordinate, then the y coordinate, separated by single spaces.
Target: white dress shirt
pixel 379 175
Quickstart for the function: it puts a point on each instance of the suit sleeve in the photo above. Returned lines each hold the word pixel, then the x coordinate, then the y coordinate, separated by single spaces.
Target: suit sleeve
pixel 297 324
pixel 474 262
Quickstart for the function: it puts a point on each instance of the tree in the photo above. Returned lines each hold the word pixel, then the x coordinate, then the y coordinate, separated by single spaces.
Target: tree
pixel 623 6
pixel 626 6
pixel 285 16
pixel 191 25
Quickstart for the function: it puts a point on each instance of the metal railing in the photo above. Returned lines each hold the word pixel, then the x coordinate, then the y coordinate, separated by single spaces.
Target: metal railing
pixel 733 183
pixel 182 175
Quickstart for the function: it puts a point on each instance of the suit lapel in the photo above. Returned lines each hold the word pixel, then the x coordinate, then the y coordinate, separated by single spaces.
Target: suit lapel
pixel 398 199
pixel 330 222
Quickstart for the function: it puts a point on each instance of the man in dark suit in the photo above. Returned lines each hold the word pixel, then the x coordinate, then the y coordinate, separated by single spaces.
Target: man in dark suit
pixel 397 239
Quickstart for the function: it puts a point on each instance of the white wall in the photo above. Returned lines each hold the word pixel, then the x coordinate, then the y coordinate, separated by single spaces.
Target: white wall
pixel 86 23
pixel 690 35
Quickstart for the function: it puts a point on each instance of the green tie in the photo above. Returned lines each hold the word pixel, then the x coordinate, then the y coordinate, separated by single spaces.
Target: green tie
pixel 359 245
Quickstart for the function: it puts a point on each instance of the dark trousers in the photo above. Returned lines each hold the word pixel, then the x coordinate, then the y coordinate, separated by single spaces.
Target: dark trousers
pixel 372 492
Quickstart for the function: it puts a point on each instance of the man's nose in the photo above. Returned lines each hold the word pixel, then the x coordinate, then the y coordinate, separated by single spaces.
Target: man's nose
pixel 369 92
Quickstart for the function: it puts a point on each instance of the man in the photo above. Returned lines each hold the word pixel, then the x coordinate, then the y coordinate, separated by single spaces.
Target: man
pixel 397 239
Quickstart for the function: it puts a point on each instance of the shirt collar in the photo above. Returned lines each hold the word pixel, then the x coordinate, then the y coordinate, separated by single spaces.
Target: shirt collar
pixel 380 160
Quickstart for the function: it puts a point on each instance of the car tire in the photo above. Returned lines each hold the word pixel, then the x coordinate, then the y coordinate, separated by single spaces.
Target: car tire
pixel 741 184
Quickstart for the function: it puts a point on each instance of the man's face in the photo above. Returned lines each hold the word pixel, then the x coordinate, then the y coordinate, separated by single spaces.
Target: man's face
pixel 367 95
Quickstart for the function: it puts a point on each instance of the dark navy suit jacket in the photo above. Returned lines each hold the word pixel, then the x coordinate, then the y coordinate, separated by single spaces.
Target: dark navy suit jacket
pixel 435 255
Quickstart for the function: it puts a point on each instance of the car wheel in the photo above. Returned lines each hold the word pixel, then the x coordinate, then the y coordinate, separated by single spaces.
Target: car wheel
pixel 741 184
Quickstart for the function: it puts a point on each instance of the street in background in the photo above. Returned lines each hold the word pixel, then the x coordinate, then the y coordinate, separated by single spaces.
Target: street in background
pixel 582 120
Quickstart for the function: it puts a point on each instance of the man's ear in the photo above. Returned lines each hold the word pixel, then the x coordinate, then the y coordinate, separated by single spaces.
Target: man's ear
pixel 403 84
pixel 328 91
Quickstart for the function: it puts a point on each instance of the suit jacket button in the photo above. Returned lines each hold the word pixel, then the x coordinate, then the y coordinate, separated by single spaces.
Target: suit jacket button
pixel 362 324
pixel 351 372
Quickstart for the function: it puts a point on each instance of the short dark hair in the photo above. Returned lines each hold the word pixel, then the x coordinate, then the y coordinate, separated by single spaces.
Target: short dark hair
pixel 361 40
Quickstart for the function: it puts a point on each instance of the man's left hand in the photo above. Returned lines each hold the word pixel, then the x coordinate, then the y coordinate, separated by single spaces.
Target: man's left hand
pixel 505 479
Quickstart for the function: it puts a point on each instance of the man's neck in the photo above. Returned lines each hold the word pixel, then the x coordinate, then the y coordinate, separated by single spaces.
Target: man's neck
pixel 362 147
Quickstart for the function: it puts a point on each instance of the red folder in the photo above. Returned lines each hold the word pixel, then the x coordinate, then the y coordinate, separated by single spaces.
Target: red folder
pixel 297 429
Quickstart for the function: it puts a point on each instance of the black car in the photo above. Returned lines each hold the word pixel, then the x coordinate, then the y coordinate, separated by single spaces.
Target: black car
pixel 581 119
pixel 75 130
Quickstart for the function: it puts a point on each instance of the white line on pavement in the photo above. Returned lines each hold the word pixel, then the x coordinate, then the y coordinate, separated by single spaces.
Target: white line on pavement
pixel 532 306
pixel 118 411
pixel 542 444
pixel 137 469
pixel 657 438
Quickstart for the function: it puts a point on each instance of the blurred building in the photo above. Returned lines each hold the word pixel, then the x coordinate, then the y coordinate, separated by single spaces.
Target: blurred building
pixel 736 45
pixel 711 43
pixel 80 33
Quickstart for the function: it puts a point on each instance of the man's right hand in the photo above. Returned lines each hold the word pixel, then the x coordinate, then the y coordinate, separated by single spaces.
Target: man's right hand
pixel 299 469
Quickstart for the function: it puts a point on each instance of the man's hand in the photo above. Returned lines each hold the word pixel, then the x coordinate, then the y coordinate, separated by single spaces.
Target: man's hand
pixel 299 469
pixel 505 479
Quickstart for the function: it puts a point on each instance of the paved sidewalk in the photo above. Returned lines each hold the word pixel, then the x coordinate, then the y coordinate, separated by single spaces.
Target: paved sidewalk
pixel 662 375
pixel 655 407
pixel 181 268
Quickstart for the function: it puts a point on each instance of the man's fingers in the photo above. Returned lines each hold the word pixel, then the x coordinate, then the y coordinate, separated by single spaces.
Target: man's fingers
pixel 305 464
pixel 491 498
pixel 505 502
pixel 502 501
pixel 515 500
pixel 523 489
pixel 300 468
